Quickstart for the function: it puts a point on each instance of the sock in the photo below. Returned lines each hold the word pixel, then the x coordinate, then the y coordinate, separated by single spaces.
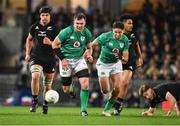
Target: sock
pixel 45 103
pixel 84 94
pixel 120 99
pixel 108 105
pixel 35 98
pixel 118 103
pixel 72 89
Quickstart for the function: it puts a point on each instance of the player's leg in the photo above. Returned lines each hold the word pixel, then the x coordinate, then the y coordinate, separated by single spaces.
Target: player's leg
pixel 103 76
pixel 116 81
pixel 48 71
pixel 35 73
pixel 66 79
pixel 47 85
pixel 83 76
pixel 118 105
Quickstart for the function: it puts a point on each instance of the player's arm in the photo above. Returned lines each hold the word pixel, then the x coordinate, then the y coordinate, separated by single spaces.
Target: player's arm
pixel 56 45
pixel 149 112
pixel 125 53
pixel 125 57
pixel 139 62
pixel 172 101
pixel 29 44
pixel 88 53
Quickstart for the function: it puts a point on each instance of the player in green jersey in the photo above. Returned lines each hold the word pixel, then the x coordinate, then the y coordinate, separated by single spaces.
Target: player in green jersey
pixel 135 61
pixel 69 46
pixel 114 52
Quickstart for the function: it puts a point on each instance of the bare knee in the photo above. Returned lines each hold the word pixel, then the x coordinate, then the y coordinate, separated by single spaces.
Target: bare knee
pixel 84 83
pixel 66 89
pixel 105 91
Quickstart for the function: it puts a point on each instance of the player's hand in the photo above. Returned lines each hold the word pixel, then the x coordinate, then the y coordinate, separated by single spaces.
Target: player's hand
pixel 139 62
pixel 178 113
pixel 169 113
pixel 47 41
pixel 27 58
pixel 65 64
pixel 146 114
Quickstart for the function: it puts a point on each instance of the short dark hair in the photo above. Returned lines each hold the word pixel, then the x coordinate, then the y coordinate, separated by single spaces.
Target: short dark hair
pixel 142 89
pixel 126 17
pixel 45 9
pixel 118 24
pixel 79 16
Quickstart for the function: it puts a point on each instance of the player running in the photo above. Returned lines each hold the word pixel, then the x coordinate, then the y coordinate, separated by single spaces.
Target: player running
pixel 114 52
pixel 69 46
pixel 40 55
pixel 135 60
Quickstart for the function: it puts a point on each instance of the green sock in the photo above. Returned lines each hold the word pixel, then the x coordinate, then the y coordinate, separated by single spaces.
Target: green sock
pixel 72 89
pixel 108 105
pixel 84 94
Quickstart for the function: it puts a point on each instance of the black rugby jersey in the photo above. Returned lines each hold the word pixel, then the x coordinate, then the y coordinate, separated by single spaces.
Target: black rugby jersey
pixel 132 42
pixel 42 51
pixel 162 89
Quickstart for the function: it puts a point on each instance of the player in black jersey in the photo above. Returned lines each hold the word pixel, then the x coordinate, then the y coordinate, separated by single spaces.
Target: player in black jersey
pixel 40 55
pixel 160 93
pixel 135 60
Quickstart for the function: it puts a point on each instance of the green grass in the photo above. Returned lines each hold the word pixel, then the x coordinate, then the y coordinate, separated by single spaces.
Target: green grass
pixel 71 116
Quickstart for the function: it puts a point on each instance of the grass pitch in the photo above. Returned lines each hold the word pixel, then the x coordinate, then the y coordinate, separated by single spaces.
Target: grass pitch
pixel 71 116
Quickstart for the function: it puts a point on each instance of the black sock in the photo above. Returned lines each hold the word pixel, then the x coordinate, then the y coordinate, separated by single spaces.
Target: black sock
pixel 120 99
pixel 45 103
pixel 35 98
pixel 118 103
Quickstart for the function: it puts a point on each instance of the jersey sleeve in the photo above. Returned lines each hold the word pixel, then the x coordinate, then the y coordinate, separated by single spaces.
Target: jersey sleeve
pixel 32 30
pixel 101 39
pixel 89 36
pixel 153 104
pixel 62 35
pixel 126 44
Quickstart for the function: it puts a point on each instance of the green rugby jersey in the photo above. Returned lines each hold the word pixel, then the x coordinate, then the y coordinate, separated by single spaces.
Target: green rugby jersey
pixel 73 43
pixel 110 46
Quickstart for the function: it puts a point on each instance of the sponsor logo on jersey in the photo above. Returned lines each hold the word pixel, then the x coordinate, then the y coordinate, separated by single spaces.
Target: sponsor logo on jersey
pixel 53 69
pixel 82 38
pixel 71 37
pixel 121 45
pixel 42 33
pixel 49 28
pixel 76 44
pixel 115 50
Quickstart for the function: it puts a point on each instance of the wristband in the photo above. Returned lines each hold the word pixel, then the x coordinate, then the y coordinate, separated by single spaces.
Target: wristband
pixel 59 53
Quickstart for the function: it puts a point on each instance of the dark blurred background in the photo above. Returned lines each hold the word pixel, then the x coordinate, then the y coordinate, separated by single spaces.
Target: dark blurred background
pixel 157 23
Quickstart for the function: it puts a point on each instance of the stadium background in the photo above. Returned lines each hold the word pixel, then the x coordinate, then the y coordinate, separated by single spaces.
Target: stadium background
pixel 156 22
